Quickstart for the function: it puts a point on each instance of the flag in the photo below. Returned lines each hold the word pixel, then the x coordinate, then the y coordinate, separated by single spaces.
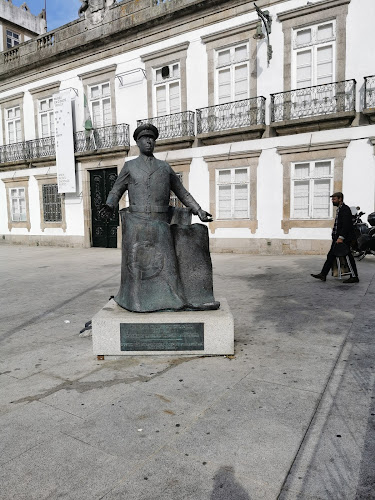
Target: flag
pixel 87 122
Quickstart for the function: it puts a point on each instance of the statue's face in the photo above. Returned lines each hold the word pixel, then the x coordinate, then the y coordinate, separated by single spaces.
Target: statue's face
pixel 146 145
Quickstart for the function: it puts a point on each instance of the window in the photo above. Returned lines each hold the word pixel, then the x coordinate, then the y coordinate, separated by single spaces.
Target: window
pixel 12 39
pixel 51 203
pixel 13 125
pixel 167 89
pixel 233 193
pixel 46 117
pixel 100 104
pixel 314 55
pixel 311 187
pixel 232 74
pixel 18 204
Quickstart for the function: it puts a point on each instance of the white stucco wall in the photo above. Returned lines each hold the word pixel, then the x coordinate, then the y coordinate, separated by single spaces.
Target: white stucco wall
pixel 131 104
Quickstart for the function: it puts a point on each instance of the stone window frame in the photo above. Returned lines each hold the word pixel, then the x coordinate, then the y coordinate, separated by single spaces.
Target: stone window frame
pixel 228 161
pixel 336 151
pixel 310 15
pixel 15 30
pixel 11 102
pixel 98 77
pixel 48 179
pixel 17 182
pixel 164 57
pixel 38 94
pixel 225 39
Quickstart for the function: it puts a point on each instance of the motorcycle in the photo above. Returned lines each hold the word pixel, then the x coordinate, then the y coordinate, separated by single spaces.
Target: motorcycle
pixel 364 243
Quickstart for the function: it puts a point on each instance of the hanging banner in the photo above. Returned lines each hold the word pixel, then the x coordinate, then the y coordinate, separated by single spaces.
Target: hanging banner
pixel 65 162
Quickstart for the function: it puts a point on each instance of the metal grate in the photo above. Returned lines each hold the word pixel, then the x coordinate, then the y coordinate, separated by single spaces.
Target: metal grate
pixel 172 126
pixel 313 101
pixel 244 113
pixel 51 203
pixel 369 101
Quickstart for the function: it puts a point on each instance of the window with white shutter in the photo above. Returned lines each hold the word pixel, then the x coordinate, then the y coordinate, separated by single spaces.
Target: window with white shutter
pixel 13 125
pixel 100 104
pixel 314 55
pixel 18 204
pixel 311 187
pixel 167 90
pixel 232 74
pixel 233 193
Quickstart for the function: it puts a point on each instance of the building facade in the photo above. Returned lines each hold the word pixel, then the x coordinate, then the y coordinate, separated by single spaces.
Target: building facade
pixel 262 114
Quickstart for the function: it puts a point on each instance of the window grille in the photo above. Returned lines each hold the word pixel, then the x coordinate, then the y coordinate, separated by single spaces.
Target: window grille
pixel 51 203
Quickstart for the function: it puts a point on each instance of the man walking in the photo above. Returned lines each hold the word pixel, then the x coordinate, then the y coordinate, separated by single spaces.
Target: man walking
pixel 342 231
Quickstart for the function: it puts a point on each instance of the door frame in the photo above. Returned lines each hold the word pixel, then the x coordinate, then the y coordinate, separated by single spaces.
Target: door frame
pixel 99 162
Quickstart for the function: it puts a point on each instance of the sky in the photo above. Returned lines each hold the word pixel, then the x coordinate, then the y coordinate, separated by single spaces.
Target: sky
pixel 59 12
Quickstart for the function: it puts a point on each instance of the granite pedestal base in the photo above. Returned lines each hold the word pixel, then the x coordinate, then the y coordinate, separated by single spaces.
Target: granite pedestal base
pixel 118 332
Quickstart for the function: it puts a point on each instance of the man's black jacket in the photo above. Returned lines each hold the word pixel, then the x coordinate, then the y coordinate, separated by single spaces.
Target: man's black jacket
pixel 345 223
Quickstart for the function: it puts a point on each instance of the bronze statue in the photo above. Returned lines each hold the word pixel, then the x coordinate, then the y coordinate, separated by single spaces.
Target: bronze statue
pixel 166 263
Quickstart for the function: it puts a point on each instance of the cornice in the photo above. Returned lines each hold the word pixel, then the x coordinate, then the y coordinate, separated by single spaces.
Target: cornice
pixel 310 9
pixel 13 97
pixel 229 32
pixel 45 88
pixel 233 156
pixel 304 148
pixel 98 72
pixel 165 52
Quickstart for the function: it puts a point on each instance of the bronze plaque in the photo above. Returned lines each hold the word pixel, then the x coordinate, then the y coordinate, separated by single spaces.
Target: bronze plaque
pixel 162 336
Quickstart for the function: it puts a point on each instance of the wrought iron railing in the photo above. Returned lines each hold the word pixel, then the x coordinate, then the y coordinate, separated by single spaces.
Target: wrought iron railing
pixel 28 150
pixel 237 114
pixel 369 98
pixel 313 101
pixel 39 148
pixel 102 138
pixel 172 126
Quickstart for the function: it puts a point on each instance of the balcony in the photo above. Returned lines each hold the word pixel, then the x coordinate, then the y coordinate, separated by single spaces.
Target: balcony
pixel 369 98
pixel 321 107
pixel 114 137
pixel 111 137
pixel 232 121
pixel 175 131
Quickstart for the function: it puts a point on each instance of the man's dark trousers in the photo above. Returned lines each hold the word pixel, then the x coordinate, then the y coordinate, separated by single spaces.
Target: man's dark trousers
pixel 331 257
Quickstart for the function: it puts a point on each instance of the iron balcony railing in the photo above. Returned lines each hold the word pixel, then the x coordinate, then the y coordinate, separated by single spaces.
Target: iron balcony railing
pixel 102 138
pixel 313 101
pixel 28 150
pixel 230 115
pixel 369 98
pixel 172 126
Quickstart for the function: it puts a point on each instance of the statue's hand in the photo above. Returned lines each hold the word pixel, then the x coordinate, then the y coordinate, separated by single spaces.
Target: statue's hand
pixel 204 216
pixel 106 212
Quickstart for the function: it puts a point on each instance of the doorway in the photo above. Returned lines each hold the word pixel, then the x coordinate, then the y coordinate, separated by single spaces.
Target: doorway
pixel 104 231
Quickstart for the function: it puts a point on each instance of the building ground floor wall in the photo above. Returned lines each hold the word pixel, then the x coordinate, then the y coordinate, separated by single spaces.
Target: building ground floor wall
pixel 267 196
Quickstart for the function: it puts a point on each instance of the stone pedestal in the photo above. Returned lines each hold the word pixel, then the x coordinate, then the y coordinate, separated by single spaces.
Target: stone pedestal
pixel 118 332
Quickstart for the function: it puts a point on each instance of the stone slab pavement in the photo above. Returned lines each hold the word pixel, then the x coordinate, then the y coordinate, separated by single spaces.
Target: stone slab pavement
pixel 290 416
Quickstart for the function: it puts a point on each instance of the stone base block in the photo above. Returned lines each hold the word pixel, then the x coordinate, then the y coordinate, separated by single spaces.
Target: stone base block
pixel 117 332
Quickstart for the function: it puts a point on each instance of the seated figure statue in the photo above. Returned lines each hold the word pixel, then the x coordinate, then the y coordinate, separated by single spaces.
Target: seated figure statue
pixel 166 263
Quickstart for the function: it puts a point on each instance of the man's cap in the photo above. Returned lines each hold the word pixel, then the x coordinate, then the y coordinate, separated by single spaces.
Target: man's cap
pixel 337 195
pixel 147 129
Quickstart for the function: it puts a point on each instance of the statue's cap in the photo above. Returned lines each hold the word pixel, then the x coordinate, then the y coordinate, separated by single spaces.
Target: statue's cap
pixel 146 129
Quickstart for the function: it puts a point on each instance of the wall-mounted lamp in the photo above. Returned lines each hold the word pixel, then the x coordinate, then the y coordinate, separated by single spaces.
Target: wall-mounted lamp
pixel 264 18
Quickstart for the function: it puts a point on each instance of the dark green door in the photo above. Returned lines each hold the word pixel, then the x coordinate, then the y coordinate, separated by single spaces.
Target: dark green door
pixel 104 232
